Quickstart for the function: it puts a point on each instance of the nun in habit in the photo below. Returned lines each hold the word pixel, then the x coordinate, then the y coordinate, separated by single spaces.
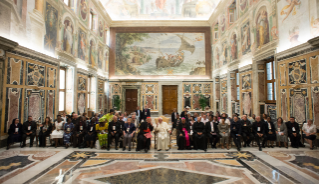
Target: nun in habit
pixel 162 131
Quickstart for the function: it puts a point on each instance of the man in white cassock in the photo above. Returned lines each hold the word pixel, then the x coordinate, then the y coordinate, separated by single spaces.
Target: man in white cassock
pixel 162 131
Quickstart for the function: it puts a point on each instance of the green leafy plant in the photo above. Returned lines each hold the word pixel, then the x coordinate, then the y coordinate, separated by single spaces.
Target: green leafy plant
pixel 117 103
pixel 202 101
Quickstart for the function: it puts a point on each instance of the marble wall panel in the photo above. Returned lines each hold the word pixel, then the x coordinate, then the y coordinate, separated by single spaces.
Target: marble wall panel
pixel 207 88
pixel 187 100
pixel 261 86
pixel 297 72
pixel 149 101
pixel 299 107
pixel 284 105
pixel 34 104
pixel 81 103
pixel 15 71
pixel 35 75
pixel 51 77
pixel 247 103
pixel 100 86
pixel 116 89
pixel 149 88
pixel 196 105
pixel 314 69
pixel 13 106
pixel 283 74
pixel 233 90
pixel 197 88
pixel 224 86
pixel 50 104
pixel 223 103
pixel 315 104
pixel 100 102
pixel 187 88
pixel 217 91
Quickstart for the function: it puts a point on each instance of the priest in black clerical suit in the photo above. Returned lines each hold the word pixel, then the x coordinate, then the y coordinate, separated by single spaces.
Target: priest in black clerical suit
pixel 199 135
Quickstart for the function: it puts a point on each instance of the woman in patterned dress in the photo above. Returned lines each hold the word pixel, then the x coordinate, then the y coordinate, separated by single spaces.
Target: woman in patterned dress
pixel 68 128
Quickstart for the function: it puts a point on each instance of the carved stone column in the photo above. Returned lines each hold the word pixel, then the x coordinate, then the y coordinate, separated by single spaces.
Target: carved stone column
pixel 39 5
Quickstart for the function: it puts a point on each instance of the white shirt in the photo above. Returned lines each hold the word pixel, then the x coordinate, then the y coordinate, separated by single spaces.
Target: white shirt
pixel 204 120
pixel 309 129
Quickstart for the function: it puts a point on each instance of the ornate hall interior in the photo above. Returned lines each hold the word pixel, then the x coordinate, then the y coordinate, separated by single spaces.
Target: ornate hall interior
pixel 144 63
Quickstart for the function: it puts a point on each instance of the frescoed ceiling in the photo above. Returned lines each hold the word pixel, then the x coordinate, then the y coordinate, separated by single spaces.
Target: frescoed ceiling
pixel 160 9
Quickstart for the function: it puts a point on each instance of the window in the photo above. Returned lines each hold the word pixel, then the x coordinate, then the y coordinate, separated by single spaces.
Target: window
pixel 92 20
pixel 232 12
pixel 270 82
pixel 237 86
pixel 62 89
pixel 216 31
pixel 67 2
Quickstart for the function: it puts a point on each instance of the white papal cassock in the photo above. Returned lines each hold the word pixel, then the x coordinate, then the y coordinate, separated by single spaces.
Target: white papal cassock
pixel 162 135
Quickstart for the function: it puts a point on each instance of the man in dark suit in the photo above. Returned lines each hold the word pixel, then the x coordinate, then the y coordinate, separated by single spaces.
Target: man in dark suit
pixel 29 129
pixel 212 132
pixel 114 132
pixel 258 129
pixel 293 132
pixel 146 113
pixel 174 115
pixel 236 129
pixel 139 114
pixel 184 113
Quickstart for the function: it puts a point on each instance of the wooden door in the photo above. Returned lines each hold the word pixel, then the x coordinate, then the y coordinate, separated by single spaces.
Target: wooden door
pixel 169 99
pixel 130 100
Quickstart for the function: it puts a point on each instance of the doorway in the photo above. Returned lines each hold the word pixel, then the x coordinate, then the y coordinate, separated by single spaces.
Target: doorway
pixel 130 100
pixel 169 98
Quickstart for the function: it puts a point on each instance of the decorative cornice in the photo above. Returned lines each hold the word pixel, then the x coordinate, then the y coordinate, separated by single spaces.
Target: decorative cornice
pixel 164 23
pixel 314 41
pixel 66 58
pixel 34 55
pixel 296 51
pixel 7 44
pixel 266 52
pixel 245 68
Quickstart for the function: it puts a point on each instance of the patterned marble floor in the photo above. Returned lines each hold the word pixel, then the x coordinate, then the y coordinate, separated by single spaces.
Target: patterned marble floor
pixel 50 165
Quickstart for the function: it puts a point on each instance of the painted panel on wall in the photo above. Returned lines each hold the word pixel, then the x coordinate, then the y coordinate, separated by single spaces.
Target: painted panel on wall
pixel 67 35
pixel 51 25
pixel 35 75
pixel 223 104
pixel 262 27
pixel 149 88
pixel 50 104
pixel 15 71
pixel 34 105
pixel 245 37
pixel 81 103
pixel 314 69
pixel 160 54
pixel 197 88
pixel 51 77
pixel 100 102
pixel 82 45
pixel 246 81
pixel 13 106
pixel 82 83
pixel 207 88
pixel 247 103
pixel 298 72
pixel 100 86
pixel 315 105
pixel 233 89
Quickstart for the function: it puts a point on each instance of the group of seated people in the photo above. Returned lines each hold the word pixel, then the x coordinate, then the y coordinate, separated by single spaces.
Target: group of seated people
pixel 192 131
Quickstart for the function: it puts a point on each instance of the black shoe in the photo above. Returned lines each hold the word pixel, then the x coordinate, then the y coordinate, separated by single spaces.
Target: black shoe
pixel 116 148
pixel 7 148
pixel 287 147
pixel 167 150
pixel 263 146
pixel 108 149
pixel 137 150
pixel 238 148
pixel 31 145
pixel 205 150
pixel 129 149
pixel 145 150
pixel 248 145
pixel 244 146
pixel 159 150
pixel 272 146
pixel 123 148
pixel 260 149
pixel 279 146
pixel 268 146
pixel 23 146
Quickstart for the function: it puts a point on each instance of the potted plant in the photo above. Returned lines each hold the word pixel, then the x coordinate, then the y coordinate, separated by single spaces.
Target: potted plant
pixel 117 103
pixel 202 102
